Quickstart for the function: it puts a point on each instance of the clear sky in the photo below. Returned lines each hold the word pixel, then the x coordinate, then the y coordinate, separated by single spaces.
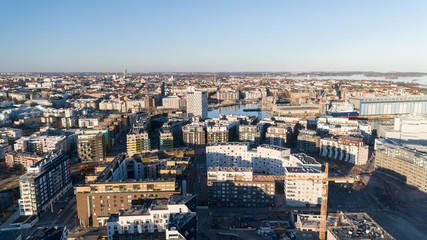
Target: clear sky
pixel 230 35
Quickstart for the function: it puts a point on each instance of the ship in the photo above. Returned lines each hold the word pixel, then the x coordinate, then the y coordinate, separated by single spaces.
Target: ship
pixel 342 110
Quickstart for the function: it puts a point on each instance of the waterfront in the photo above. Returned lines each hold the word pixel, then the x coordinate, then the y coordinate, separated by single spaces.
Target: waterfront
pixel 238 109
pixel 419 79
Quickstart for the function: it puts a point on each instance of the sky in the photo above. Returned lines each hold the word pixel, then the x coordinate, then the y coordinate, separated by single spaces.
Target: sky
pixel 212 36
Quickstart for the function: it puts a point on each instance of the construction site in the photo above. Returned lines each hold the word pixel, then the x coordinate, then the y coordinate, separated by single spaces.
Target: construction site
pixel 341 226
pixel 371 205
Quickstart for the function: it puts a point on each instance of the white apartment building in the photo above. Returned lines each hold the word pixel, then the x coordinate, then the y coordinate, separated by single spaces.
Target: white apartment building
pixel 228 95
pixel 347 149
pixel 300 193
pixel 12 133
pixel 111 105
pixel 88 122
pixel 44 183
pixel 44 144
pixel 197 103
pixel 264 159
pixel 174 102
pixel 89 102
pixel 256 94
pixel 237 162
pixel 154 219
pixel 230 174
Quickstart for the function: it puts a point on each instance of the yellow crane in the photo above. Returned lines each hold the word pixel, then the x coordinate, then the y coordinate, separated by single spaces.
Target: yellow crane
pixel 324 200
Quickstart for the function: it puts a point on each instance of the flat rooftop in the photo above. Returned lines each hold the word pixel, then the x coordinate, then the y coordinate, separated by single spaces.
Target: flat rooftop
pixel 230 169
pixel 159 205
pixel 345 226
pixel 180 199
pixel 135 210
pixel 392 98
pixel 227 143
pixel 302 170
pixel 277 148
pixel 305 158
pixel 178 220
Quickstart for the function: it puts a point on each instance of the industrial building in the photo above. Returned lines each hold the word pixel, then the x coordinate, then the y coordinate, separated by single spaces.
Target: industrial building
pixel 407 162
pixel 409 129
pixel 390 104
pixel 44 183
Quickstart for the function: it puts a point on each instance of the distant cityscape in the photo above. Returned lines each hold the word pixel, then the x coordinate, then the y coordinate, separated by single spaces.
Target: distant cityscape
pixel 212 155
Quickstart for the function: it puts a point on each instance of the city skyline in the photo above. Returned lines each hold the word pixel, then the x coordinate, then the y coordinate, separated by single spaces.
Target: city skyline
pixel 191 36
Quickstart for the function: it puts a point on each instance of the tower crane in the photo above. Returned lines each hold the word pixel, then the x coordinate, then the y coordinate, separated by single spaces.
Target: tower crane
pixel 324 200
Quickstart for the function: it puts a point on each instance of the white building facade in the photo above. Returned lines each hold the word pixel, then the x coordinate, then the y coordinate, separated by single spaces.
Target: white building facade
pixel 197 103
pixel 346 149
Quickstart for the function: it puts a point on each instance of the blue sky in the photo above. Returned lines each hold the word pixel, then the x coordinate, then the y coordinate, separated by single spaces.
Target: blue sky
pixel 163 35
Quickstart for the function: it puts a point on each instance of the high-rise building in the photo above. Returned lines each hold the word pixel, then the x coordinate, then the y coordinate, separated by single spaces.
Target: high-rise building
pixel 197 103
pixel 43 183
pixel 150 102
pixel 162 90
